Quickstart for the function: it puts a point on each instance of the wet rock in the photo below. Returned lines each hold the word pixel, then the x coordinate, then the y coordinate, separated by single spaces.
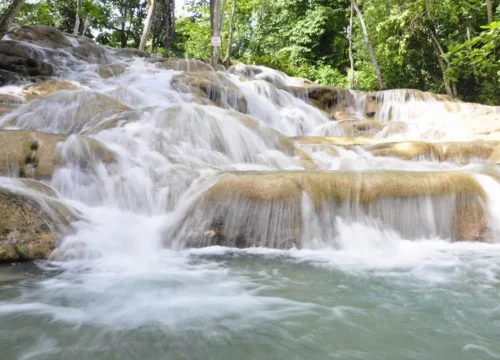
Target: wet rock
pixel 25 233
pixel 271 206
pixel 10 77
pixel 67 112
pixel 327 98
pixel 33 154
pixel 41 35
pixel 31 221
pixel 18 58
pixel 107 71
pixel 456 152
pixel 333 140
pixel 214 86
pixel 130 52
pixel 406 150
pixel 186 65
pixel 93 54
pixel 363 128
pixel 45 88
pixel 8 103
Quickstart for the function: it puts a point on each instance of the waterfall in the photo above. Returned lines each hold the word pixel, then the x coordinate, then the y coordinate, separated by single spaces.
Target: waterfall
pixel 243 157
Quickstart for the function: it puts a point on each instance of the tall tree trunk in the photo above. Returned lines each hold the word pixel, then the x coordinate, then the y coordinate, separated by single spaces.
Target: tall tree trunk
pixel 351 56
pixel 369 45
pixel 86 24
pixel 9 15
pixel 227 59
pixel 215 10
pixel 489 8
pixel 222 12
pixel 124 13
pixel 170 22
pixel 147 25
pixel 79 4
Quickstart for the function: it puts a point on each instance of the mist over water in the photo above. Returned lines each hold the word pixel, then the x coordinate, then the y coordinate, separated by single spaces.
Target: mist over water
pixel 126 283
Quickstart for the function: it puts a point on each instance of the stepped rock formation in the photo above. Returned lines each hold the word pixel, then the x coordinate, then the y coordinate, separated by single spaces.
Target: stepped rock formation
pixel 268 208
pixel 244 156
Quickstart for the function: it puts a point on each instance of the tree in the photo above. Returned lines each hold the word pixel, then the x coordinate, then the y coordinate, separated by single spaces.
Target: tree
pixel 215 16
pixel 369 45
pixel 169 25
pixel 227 59
pixel 147 25
pixel 489 9
pixel 351 56
pixel 9 15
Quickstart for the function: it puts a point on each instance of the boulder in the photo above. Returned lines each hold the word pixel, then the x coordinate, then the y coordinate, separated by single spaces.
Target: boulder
pixel 214 86
pixel 93 54
pixel 18 59
pixel 10 77
pixel 34 154
pixel 45 88
pixel 67 112
pixel 271 210
pixel 25 233
pixel 107 71
pixel 41 35
pixel 457 152
pixel 130 52
pixel 8 103
pixel 185 65
pixel 31 221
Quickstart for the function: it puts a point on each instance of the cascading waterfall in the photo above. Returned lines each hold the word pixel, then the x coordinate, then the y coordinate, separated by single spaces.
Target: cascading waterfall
pixel 184 198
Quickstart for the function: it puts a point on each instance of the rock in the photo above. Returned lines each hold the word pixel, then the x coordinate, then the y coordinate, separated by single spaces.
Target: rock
pixel 67 112
pixel 25 233
pixel 18 58
pixel 333 140
pixel 33 154
pixel 327 98
pixel 41 35
pixel 393 128
pixel 214 86
pixel 130 52
pixel 456 152
pixel 364 128
pixel 186 65
pixel 93 54
pixel 107 71
pixel 406 150
pixel 495 156
pixel 45 88
pixel 31 221
pixel 271 204
pixel 9 77
pixel 8 103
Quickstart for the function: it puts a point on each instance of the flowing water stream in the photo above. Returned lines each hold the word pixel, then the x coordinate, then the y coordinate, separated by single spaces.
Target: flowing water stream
pixel 128 284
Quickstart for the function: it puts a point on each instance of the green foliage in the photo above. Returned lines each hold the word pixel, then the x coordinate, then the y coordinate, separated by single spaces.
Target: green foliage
pixel 432 45
pixel 476 62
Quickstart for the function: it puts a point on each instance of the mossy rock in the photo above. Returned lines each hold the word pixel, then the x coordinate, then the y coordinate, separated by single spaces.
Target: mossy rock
pixel 34 154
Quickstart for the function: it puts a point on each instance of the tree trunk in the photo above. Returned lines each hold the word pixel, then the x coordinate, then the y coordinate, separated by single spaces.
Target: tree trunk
pixel 9 15
pixel 215 11
pixel 86 24
pixel 442 61
pixel 369 45
pixel 147 25
pixel 170 22
pixel 227 59
pixel 489 8
pixel 351 56
pixel 76 29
